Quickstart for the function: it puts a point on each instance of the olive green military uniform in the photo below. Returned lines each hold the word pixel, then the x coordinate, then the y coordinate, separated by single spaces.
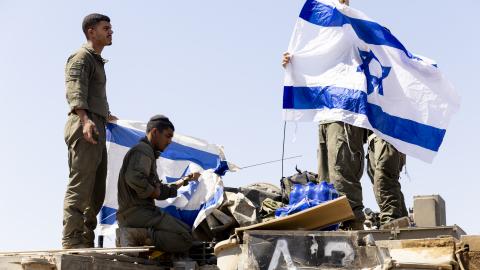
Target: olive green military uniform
pixel 136 183
pixel 384 164
pixel 341 161
pixel 85 84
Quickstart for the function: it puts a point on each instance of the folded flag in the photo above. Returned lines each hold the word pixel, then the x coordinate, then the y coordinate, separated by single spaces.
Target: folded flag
pixel 183 156
pixel 346 67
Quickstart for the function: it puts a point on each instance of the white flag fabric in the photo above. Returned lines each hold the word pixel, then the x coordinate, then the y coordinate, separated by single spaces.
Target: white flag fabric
pixel 346 67
pixel 183 156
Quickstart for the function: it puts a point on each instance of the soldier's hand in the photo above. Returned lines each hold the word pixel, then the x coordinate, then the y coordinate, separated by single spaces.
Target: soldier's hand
pixel 90 131
pixel 286 59
pixel 179 183
pixel 185 180
pixel 112 118
pixel 193 176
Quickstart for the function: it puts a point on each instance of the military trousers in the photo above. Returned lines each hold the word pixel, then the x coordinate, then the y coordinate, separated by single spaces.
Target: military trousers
pixel 341 161
pixel 384 164
pixel 168 233
pixel 86 186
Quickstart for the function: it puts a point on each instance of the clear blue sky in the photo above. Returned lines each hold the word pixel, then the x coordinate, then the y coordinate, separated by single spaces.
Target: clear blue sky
pixel 214 68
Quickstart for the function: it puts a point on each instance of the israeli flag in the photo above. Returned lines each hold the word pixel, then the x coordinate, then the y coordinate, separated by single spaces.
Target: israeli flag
pixel 183 156
pixel 346 67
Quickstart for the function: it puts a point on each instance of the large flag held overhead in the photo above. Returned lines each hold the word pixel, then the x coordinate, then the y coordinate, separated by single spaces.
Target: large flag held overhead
pixel 183 156
pixel 346 67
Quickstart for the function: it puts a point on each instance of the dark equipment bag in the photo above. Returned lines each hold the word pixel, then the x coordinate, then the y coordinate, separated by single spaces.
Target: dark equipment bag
pixel 299 178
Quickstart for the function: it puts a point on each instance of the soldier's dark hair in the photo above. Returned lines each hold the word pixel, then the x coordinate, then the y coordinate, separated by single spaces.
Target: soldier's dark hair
pixel 92 20
pixel 159 122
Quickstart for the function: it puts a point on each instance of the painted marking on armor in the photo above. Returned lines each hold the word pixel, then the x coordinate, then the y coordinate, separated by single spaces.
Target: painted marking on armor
pixel 342 247
pixel 281 248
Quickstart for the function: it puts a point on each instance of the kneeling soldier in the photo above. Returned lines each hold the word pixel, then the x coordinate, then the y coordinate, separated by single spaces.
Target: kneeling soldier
pixel 139 186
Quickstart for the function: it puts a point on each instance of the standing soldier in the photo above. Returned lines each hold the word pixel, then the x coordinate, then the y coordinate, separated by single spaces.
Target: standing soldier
pixel 384 164
pixel 85 81
pixel 341 160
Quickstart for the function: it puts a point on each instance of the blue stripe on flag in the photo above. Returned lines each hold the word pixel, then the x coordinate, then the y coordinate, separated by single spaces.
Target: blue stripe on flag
pixel 370 32
pixel 218 195
pixel 123 136
pixel 176 151
pixel 129 137
pixel 173 179
pixel 324 97
pixel 108 215
pixel 356 101
pixel 191 189
pixel 187 216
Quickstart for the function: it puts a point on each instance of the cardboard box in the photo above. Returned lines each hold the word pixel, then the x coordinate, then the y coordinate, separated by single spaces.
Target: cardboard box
pixel 320 216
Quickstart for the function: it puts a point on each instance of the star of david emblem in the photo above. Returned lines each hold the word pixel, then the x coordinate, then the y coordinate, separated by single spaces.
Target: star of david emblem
pixel 374 71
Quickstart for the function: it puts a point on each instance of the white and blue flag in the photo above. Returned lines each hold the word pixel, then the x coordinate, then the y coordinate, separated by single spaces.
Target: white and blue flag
pixel 346 67
pixel 183 156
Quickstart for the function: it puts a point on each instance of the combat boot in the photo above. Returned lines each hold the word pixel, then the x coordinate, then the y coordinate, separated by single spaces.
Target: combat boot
pixel 352 225
pixel 403 222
